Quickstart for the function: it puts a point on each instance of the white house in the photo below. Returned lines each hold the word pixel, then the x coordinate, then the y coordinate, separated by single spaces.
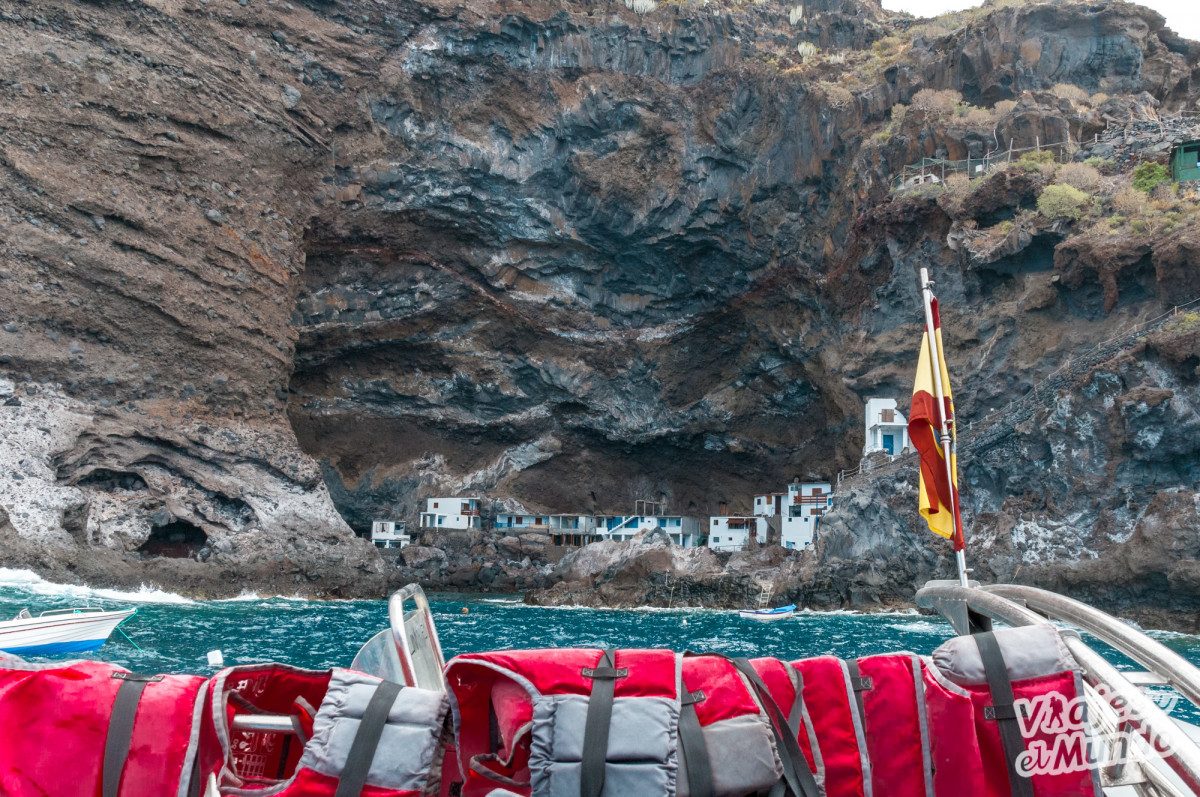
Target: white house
pixel 683 530
pixel 572 529
pixel 528 522
pixel 769 504
pixel 452 514
pixel 732 532
pixel 886 428
pixel 389 534
pixel 807 503
pixel 563 529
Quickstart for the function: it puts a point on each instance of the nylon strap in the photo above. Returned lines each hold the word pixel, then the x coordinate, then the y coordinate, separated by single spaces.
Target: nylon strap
pixel 596 726
pixel 120 728
pixel 795 721
pixel 1003 710
pixel 194 784
pixel 859 685
pixel 695 751
pixel 796 774
pixel 366 740
pixel 796 714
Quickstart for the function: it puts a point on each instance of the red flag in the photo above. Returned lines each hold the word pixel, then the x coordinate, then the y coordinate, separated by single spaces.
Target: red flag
pixel 938 495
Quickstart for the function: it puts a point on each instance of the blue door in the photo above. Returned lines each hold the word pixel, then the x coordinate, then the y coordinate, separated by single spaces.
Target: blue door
pixel 889 443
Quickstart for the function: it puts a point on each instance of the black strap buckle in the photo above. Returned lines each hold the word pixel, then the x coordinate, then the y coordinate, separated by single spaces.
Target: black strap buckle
pixel 690 698
pixel 1000 712
pixel 136 677
pixel 603 671
pixel 862 684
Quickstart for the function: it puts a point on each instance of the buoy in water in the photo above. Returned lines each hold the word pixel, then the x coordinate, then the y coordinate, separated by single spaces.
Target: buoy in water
pixel 216 658
pixel 465 610
pixel 685 621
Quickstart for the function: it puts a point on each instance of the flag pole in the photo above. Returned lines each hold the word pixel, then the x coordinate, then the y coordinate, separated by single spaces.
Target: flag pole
pixel 960 555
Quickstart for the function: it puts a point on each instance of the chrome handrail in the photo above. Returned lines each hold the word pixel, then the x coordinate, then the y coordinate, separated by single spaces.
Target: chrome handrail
pixel 1184 756
pixel 396 616
pixel 1146 651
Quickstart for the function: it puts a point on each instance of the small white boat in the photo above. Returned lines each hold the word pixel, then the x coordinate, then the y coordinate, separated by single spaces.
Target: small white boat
pixel 768 615
pixel 59 630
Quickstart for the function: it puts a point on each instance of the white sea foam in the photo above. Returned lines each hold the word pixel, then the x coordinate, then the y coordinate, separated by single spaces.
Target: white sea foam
pixel 31 582
pixel 920 627
pixel 250 596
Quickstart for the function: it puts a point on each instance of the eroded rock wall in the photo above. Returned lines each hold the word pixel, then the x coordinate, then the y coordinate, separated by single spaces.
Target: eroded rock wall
pixel 562 253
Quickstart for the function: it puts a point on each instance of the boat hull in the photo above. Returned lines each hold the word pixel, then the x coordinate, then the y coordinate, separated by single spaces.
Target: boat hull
pixel 766 618
pixel 769 615
pixel 66 633
pixel 50 648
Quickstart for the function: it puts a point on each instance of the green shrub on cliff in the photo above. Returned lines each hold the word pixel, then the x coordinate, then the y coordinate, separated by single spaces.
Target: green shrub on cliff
pixel 893 126
pixel 1185 322
pixel 1148 176
pixel 1063 202
pixel 1130 203
pixel 1080 175
pixel 1070 92
pixel 1034 160
pixel 935 101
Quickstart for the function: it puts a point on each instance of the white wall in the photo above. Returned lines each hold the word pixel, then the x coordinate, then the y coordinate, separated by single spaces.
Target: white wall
pixel 446 513
pixel 765 505
pixel 798 532
pixel 723 538
pixel 802 518
pixel 682 530
pixel 874 427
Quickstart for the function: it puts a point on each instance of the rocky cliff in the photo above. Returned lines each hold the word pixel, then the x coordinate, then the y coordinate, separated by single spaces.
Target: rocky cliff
pixel 264 259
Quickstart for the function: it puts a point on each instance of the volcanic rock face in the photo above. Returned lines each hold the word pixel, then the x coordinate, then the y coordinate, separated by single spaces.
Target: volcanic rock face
pixel 155 192
pixel 562 253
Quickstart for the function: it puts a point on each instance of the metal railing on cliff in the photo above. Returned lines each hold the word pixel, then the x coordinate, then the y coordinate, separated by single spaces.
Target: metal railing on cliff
pixel 941 168
pixel 1117 132
pixel 980 435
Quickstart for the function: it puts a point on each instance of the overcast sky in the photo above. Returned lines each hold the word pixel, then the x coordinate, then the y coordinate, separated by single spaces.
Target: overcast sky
pixel 1182 15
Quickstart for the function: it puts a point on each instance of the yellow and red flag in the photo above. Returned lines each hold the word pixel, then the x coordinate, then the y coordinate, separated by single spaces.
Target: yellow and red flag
pixel 938 494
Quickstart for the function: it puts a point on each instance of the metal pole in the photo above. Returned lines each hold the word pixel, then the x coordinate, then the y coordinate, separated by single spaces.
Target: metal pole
pixel 960 556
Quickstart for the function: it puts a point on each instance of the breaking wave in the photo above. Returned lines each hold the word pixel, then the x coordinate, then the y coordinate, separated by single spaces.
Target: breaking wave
pixel 31 582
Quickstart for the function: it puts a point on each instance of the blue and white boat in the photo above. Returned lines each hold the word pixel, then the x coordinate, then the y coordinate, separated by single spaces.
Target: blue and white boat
pixel 768 615
pixel 59 630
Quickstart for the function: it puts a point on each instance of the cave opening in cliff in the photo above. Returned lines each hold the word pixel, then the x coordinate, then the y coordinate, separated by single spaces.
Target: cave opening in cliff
pixel 176 539
pixel 112 480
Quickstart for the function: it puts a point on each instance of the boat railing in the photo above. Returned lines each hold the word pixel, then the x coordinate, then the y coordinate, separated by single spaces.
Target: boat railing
pixel 408 651
pixel 416 638
pixel 1114 695
pixel 72 610
pixel 1165 664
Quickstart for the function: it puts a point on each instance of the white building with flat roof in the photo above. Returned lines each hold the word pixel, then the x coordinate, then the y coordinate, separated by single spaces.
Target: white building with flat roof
pixel 886 428
pixel 528 522
pixel 807 503
pixel 572 529
pixel 769 504
pixel 452 514
pixel 563 529
pixel 732 532
pixel 682 529
pixel 389 534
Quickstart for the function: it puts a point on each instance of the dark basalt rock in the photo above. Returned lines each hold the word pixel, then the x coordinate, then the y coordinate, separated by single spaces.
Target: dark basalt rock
pixel 564 254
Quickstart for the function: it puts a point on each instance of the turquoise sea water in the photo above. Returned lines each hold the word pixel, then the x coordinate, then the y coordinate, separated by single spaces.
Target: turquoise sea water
pixel 175 633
